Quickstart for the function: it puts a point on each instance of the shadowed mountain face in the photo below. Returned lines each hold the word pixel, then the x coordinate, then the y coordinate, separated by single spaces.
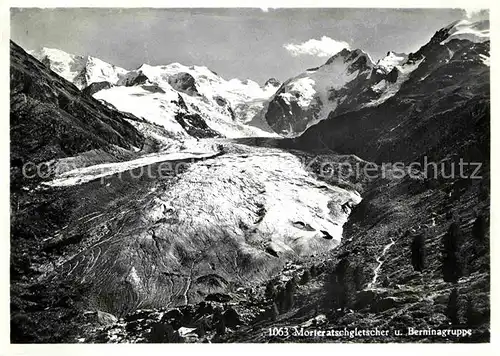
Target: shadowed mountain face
pixel 51 119
pixel 212 239
pixel 446 68
pixel 442 109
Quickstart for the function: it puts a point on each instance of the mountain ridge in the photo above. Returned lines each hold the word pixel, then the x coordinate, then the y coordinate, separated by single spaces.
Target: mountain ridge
pixel 223 104
pixel 302 103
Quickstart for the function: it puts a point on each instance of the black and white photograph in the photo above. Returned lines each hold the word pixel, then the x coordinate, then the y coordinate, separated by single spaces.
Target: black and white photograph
pixel 249 175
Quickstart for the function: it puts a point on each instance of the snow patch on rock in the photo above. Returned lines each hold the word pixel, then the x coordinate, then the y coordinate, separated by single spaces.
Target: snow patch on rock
pixel 391 60
pixel 485 59
pixel 391 89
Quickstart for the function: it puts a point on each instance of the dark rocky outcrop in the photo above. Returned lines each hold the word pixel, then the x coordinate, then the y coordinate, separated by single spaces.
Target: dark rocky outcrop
pixel 273 82
pixel 95 87
pixel 183 82
pixel 195 125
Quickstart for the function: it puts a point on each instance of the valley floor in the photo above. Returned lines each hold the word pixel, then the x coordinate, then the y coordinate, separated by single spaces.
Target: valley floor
pixel 169 229
pixel 206 232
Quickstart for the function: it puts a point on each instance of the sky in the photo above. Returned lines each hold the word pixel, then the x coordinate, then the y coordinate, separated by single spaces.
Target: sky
pixel 236 42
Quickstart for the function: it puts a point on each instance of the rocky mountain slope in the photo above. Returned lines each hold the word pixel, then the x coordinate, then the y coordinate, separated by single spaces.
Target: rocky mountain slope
pixel 80 70
pixel 441 110
pixel 51 120
pixel 350 80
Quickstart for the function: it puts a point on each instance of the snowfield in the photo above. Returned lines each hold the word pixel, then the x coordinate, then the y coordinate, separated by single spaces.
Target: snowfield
pixel 224 105
pixel 303 89
pixel 156 107
pixel 80 70
pixel 485 59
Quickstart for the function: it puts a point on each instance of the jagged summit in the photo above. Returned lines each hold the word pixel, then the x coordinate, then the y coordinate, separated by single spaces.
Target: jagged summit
pixel 272 82
pixel 80 70
pixel 348 55
pixel 351 80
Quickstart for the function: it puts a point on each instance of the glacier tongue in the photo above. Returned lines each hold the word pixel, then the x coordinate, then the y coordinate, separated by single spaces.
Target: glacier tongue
pixel 263 193
pixel 235 217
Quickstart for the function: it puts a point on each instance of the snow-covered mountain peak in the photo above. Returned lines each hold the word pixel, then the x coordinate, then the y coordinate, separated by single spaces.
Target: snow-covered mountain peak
pixel 66 65
pixel 175 68
pixel 163 94
pixel 466 30
pixel 272 82
pixel 80 70
pixel 350 56
pixel 391 60
pixel 309 97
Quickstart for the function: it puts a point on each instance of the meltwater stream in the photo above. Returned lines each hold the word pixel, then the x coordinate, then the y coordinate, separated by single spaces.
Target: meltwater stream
pixel 380 261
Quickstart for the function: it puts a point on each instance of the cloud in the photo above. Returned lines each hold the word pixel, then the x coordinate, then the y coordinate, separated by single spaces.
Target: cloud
pixel 476 14
pixel 324 47
pixel 267 9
